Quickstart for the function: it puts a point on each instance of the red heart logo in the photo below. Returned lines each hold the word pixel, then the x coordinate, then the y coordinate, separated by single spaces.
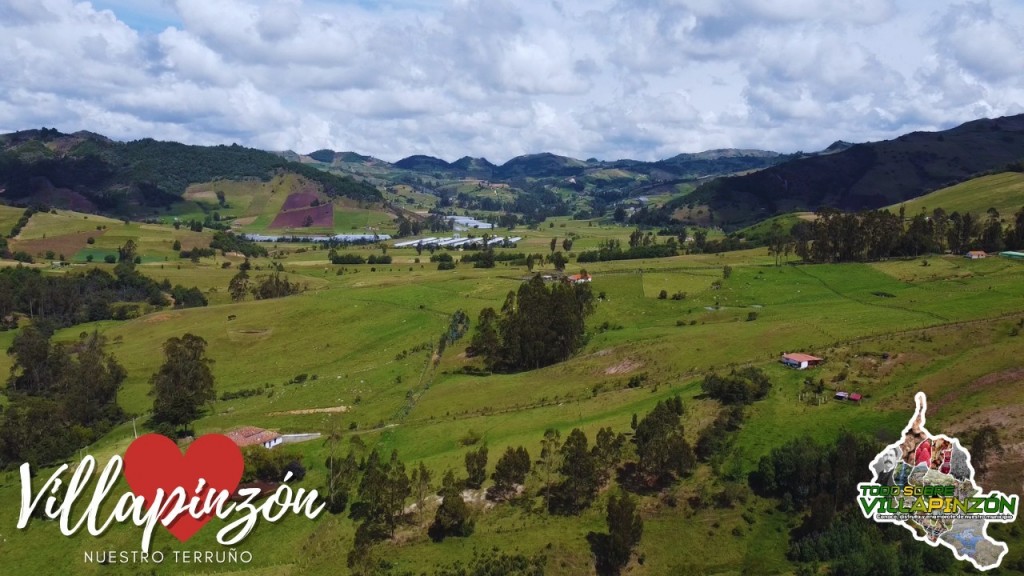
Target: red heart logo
pixel 154 462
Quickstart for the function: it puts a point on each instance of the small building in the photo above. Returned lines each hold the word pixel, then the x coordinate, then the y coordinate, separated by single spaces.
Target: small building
pixel 842 395
pixel 975 255
pixel 1012 255
pixel 800 361
pixel 578 278
pixel 253 436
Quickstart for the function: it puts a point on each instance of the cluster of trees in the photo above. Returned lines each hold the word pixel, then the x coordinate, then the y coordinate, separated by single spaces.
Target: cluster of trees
pixel 228 242
pixel 350 258
pixel 845 237
pixel 612 250
pixel 743 386
pixel 263 287
pixel 663 454
pixel 538 325
pixel 62 397
pixel 69 299
pixel 815 481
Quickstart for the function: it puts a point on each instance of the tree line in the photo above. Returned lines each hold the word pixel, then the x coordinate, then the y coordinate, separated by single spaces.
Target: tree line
pixel 69 299
pixel 834 236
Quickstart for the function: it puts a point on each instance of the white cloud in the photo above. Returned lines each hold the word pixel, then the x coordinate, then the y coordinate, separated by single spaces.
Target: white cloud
pixel 605 78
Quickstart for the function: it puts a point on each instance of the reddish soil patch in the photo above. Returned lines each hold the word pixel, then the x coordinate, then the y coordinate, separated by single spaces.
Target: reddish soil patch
pixel 317 217
pixel 67 244
pixel 298 200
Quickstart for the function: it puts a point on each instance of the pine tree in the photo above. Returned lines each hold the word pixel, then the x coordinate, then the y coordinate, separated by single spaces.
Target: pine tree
pixel 184 384
pixel 625 528
pixel 452 518
pixel 578 489
pixel 420 487
pixel 511 469
pixel 476 467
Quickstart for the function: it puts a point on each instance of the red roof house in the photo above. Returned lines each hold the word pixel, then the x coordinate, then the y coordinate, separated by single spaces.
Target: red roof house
pixel 253 436
pixel 800 361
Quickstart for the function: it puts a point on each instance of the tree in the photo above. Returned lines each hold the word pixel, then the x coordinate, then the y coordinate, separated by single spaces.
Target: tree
pixel 127 252
pixel 239 286
pixel 184 384
pixel 578 489
pixel 420 486
pixel 559 261
pixel 397 489
pixel 567 244
pixel 452 518
pixel 554 243
pixel 620 214
pixel 625 528
pixel 661 449
pixel 607 452
pixel 511 469
pixel 476 467
pixel 549 460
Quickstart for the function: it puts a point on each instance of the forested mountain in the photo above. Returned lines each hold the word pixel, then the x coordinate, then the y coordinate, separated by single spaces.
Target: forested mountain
pixel 867 176
pixel 88 172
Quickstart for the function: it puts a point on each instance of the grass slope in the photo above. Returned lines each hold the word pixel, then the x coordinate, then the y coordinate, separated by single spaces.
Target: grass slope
pixel 1003 191
pixel 361 335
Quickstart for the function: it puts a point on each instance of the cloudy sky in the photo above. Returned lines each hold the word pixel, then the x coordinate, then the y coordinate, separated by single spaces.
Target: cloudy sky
pixel 641 79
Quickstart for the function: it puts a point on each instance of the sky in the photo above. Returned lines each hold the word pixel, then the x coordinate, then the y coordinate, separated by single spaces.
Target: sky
pixel 606 79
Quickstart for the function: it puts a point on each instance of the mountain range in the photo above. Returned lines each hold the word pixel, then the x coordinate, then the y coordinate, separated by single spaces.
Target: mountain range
pixel 90 172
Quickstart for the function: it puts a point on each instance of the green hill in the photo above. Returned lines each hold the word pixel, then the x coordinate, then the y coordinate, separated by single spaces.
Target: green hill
pixel 87 172
pixel 1003 191
pixel 362 343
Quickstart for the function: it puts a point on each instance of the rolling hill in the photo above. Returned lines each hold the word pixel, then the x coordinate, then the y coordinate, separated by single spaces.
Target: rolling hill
pixel 1003 191
pixel 91 173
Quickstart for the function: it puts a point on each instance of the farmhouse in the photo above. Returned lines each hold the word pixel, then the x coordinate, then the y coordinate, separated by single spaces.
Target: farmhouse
pixel 975 255
pixel 578 278
pixel 252 436
pixel 799 361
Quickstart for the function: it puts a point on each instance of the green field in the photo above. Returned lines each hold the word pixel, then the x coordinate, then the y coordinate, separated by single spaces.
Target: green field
pixel 1004 192
pixel 363 336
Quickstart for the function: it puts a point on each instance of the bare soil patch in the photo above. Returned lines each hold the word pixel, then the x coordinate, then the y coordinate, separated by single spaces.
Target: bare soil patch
pixel 331 410
pixel 624 367
pixel 66 244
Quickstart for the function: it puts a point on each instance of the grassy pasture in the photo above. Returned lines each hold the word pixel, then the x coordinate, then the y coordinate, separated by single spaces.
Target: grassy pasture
pixel 1003 191
pixel 362 338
